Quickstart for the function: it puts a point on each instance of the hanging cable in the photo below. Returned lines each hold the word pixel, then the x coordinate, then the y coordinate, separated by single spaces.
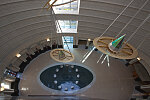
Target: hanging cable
pixel 108 28
pixel 141 42
pixel 138 28
pixel 132 18
pixel 136 31
pixel 116 18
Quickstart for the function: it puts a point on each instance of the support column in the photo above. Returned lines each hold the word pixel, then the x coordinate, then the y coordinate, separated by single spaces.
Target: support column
pixel 60 41
pixel 87 44
pixel 75 41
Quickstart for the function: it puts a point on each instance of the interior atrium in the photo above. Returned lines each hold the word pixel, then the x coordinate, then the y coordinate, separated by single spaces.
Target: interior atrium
pixel 75 49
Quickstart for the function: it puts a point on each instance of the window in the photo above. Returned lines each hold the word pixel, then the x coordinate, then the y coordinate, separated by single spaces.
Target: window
pixel 68 39
pixel 67 26
pixel 70 8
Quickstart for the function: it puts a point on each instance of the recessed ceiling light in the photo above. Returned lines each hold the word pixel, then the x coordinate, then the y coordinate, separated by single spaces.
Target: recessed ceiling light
pixel 77 82
pixel 54 75
pixel 61 66
pixel 72 87
pixel 59 86
pixel 89 39
pixel 72 66
pixel 66 89
pixel 48 39
pixel 2 89
pixel 55 82
pixel 77 70
pixel 2 84
pixel 78 76
pixel 138 58
pixel 57 70
pixel 18 55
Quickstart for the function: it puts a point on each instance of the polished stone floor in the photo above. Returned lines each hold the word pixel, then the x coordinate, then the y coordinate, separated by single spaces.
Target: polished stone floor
pixel 47 98
pixel 111 83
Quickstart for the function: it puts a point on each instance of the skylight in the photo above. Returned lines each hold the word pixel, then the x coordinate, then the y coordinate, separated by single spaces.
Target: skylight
pixel 69 8
pixel 67 26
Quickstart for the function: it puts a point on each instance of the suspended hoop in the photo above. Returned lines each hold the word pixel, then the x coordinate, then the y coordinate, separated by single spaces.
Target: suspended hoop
pixel 62 55
pixel 127 52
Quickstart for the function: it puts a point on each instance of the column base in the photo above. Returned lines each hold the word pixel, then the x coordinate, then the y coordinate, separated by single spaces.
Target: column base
pixel 75 46
pixel 60 46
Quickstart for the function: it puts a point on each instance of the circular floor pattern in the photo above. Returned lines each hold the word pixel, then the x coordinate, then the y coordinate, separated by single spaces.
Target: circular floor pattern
pixel 66 78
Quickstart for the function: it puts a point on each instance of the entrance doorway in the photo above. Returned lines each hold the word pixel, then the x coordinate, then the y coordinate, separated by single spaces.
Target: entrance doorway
pixel 68 40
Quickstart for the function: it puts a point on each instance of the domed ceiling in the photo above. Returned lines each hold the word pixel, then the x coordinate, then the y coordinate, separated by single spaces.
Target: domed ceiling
pixel 24 22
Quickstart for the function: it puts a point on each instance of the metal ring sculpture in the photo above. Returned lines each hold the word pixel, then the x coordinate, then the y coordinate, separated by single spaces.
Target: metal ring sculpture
pixel 62 55
pixel 126 52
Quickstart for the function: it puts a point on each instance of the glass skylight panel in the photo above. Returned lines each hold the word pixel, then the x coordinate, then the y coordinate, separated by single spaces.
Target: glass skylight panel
pixel 70 8
pixel 67 26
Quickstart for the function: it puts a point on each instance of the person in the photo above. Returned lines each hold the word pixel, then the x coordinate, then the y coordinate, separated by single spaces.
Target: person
pixel 54 45
pixel 29 58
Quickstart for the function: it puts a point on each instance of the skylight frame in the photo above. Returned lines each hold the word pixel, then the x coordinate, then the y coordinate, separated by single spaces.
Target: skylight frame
pixel 65 6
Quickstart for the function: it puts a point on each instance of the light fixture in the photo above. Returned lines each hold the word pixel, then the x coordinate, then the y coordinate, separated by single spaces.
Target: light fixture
pixel 61 66
pixel 18 55
pixel 55 82
pixel 2 89
pixel 2 84
pixel 57 70
pixel 72 87
pixel 138 58
pixel 67 65
pixel 77 70
pixel 48 39
pixel 59 86
pixel 78 76
pixel 54 75
pixel 77 82
pixel 72 66
pixel 66 89
pixel 89 39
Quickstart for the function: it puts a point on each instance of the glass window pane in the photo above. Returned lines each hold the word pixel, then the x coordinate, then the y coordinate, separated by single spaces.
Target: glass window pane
pixel 67 26
pixel 70 8
pixel 68 39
